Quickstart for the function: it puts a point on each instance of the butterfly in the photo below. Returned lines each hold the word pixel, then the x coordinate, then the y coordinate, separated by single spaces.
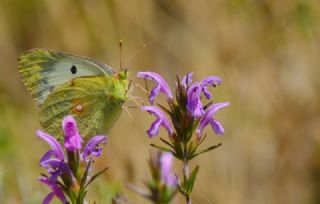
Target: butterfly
pixel 65 84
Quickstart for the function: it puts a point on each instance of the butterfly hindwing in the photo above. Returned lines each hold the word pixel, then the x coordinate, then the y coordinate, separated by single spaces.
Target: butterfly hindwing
pixel 84 98
pixel 43 70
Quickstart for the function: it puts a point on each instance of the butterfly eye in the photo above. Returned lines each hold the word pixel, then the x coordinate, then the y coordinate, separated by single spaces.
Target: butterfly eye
pixel 73 69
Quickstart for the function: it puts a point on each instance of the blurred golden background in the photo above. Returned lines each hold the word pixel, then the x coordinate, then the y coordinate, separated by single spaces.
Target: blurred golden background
pixel 266 52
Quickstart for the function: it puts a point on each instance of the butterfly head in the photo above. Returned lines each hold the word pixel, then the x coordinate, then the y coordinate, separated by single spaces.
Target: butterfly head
pixel 119 86
pixel 123 74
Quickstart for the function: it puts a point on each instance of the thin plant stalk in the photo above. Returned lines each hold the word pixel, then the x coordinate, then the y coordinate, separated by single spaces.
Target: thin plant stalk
pixel 186 178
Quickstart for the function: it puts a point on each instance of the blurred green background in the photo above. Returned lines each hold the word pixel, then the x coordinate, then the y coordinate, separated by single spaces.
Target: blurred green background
pixel 266 52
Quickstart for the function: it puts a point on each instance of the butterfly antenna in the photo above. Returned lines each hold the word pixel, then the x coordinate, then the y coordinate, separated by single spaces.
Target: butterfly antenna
pixel 141 47
pixel 120 53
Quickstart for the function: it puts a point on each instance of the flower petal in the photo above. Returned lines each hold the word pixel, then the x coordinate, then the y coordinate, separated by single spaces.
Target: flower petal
pixel 54 144
pixel 166 163
pixel 217 127
pixel 194 104
pixel 161 118
pixel 46 157
pixel 48 198
pixel 207 117
pixel 72 139
pixel 172 180
pixel 166 166
pixel 163 86
pixel 153 93
pixel 54 187
pixel 186 80
pixel 211 81
pixel 206 92
pixel 154 129
pixel 92 147
pixel 214 108
pixel 51 163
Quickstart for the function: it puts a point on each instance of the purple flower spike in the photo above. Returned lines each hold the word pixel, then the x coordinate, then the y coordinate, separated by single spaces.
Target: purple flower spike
pixel 166 164
pixel 93 148
pixel 194 104
pixel 208 119
pixel 161 120
pixel 162 85
pixel 187 80
pixel 72 138
pixel 56 190
pixel 57 150
pixel 209 81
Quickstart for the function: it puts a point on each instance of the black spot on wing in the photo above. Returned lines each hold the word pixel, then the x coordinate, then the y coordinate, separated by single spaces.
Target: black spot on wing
pixel 73 69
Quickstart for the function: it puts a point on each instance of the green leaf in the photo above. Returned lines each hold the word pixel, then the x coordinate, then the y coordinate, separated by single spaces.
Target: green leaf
pixel 166 142
pixel 191 180
pixel 164 109
pixel 206 150
pixel 201 140
pixel 178 148
pixel 182 189
pixel 192 148
pixel 96 175
pixel 161 148
pixel 85 174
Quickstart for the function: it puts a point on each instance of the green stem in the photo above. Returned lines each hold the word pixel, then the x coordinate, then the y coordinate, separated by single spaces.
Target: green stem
pixel 186 178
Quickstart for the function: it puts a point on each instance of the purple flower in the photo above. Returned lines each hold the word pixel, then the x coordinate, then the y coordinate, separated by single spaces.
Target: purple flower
pixel 52 164
pixel 186 80
pixel 56 190
pixel 165 166
pixel 162 85
pixel 208 119
pixel 63 166
pixel 161 120
pixel 209 81
pixel 53 160
pixel 56 168
pixel 92 147
pixel 194 104
pixel 72 138
pixel 56 149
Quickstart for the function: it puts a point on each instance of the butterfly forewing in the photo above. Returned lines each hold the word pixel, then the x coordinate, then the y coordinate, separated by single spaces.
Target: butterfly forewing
pixel 43 70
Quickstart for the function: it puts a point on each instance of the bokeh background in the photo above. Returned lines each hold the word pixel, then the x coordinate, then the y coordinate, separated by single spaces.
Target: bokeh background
pixel 266 52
